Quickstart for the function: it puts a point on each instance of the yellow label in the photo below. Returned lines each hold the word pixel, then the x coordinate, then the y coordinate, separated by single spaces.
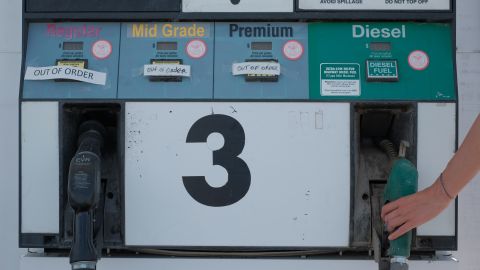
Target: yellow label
pixel 170 30
pixel 160 62
pixel 144 30
pixel 72 63
pixel 167 30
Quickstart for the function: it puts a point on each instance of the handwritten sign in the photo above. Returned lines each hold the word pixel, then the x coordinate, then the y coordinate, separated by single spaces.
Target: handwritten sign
pixel 168 70
pixel 256 68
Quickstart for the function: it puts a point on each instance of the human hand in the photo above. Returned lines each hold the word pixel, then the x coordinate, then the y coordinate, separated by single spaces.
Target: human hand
pixel 409 212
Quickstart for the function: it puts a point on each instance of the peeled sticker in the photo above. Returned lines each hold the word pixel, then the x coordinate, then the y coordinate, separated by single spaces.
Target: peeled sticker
pixel 167 70
pixel 256 68
pixel 65 72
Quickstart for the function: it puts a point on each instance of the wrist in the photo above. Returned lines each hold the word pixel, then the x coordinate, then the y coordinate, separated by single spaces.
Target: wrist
pixel 440 192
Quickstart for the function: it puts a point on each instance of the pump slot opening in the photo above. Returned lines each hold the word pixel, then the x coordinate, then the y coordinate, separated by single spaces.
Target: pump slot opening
pixel 111 202
pixel 372 123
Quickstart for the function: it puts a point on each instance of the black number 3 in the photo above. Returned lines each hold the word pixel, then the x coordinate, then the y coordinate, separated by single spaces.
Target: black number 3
pixel 239 176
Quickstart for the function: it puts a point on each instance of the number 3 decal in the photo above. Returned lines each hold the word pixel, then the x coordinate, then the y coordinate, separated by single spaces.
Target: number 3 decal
pixel 239 177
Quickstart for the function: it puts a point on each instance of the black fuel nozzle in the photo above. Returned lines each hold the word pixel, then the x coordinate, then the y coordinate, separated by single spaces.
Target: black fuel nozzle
pixel 84 188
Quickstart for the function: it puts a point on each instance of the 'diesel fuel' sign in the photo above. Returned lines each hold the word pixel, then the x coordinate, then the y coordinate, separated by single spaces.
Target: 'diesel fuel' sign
pixel 237 5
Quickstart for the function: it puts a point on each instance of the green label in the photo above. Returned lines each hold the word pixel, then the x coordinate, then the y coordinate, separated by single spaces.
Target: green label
pixel 382 70
pixel 340 79
pixel 417 57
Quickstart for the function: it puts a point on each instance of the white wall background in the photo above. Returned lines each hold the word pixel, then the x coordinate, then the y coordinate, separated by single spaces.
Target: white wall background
pixel 10 59
pixel 468 55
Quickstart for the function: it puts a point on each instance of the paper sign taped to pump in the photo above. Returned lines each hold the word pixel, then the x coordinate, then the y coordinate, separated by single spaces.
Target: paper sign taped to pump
pixel 65 72
pixel 256 68
pixel 168 70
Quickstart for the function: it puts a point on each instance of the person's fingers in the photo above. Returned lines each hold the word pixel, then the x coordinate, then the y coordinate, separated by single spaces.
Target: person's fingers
pixel 396 222
pixel 401 231
pixel 393 214
pixel 389 207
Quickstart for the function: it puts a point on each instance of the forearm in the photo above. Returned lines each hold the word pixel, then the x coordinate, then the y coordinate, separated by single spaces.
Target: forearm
pixel 466 162
pixel 409 212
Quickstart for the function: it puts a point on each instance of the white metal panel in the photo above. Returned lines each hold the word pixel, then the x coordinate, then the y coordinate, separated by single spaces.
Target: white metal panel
pixel 237 5
pixel 35 263
pixel 436 145
pixel 298 155
pixel 374 5
pixel 40 167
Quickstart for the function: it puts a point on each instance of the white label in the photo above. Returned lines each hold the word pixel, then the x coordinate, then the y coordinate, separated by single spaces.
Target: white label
pixel 293 50
pixel 340 79
pixel 65 72
pixel 289 173
pixel 237 5
pixel 256 68
pixel 102 49
pixel 340 88
pixel 375 4
pixel 418 60
pixel 196 48
pixel 167 70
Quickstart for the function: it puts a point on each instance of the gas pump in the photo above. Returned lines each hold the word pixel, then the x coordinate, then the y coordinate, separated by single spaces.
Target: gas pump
pixel 155 134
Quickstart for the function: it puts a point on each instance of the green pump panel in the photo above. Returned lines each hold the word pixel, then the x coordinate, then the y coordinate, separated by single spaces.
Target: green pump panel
pixel 381 61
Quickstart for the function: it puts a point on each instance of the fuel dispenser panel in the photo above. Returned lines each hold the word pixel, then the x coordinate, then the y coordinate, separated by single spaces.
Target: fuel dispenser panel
pixel 261 61
pixel 166 61
pixel 71 61
pixel 177 158
pixel 381 61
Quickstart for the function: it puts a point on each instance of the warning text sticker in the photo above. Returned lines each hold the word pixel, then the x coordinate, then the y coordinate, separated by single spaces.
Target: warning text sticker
pixel 340 79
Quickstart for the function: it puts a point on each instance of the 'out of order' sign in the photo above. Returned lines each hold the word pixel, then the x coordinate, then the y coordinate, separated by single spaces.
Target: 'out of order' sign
pixel 257 68
pixel 65 72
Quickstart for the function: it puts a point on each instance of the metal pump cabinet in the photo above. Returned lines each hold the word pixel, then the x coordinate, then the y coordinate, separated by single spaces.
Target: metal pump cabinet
pixel 230 129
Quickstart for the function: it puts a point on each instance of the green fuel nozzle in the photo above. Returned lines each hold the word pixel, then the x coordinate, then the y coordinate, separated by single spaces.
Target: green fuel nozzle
pixel 402 181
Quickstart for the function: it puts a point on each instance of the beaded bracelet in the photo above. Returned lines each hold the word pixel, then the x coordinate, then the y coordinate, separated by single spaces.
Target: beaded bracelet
pixel 443 186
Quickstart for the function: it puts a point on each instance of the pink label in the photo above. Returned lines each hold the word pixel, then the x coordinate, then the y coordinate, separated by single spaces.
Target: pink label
pixel 102 49
pixel 196 48
pixel 293 50
pixel 70 32
pixel 418 60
